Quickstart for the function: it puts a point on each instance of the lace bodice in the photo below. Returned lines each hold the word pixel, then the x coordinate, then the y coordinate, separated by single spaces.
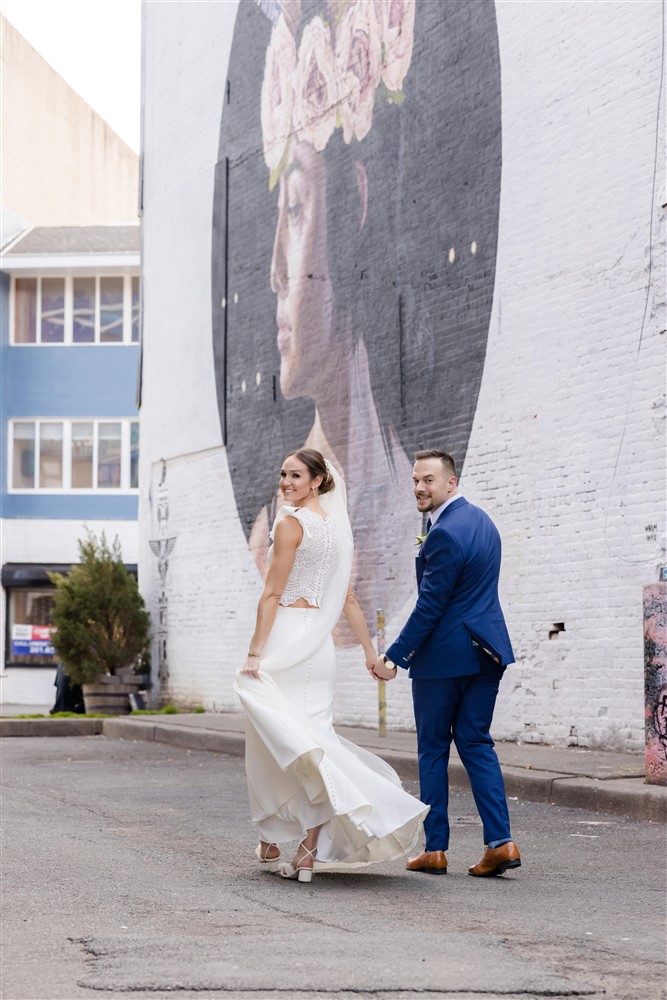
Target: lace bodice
pixel 315 558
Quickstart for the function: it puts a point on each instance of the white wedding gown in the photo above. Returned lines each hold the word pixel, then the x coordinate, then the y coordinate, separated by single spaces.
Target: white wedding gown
pixel 301 774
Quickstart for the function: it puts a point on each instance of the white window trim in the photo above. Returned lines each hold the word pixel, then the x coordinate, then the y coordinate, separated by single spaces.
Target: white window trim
pixel 66 489
pixel 67 450
pixel 68 340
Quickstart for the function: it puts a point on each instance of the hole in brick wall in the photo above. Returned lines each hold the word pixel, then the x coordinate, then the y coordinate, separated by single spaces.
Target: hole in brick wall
pixel 556 628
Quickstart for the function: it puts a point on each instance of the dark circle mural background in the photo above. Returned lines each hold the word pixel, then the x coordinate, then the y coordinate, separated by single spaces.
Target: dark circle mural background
pixel 418 281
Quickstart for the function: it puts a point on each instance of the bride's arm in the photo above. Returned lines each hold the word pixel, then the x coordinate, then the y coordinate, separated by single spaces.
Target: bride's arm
pixel 355 617
pixel 288 535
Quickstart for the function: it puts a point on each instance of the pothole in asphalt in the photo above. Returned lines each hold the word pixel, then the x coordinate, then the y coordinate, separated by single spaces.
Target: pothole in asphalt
pixel 437 964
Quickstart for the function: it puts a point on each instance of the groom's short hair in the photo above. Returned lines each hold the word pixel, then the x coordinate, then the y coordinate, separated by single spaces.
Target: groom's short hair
pixel 445 458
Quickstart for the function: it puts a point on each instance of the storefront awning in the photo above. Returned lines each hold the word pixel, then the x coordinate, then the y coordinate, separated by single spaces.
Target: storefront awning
pixel 36 574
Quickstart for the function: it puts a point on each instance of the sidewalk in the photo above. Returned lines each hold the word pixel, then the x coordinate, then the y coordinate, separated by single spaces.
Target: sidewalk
pixel 600 780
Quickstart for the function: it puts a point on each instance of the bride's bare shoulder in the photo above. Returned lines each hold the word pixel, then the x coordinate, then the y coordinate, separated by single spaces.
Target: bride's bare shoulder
pixel 288 530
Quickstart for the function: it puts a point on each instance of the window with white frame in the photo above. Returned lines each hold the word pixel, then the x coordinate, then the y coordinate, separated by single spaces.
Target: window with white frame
pixel 75 309
pixel 74 455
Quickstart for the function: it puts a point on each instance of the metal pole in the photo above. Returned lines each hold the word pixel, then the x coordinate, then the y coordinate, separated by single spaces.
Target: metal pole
pixel 382 687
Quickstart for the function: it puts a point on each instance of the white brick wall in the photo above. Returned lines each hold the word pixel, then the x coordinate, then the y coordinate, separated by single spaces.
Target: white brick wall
pixel 566 449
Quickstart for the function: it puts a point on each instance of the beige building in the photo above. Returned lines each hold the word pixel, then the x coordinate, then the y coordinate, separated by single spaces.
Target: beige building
pixel 60 163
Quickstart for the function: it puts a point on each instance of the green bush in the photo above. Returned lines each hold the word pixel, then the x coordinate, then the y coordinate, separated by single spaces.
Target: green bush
pixel 167 710
pixel 59 715
pixel 102 626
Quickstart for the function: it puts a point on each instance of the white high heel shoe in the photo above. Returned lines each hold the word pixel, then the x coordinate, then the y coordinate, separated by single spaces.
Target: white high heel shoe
pixel 272 864
pixel 299 873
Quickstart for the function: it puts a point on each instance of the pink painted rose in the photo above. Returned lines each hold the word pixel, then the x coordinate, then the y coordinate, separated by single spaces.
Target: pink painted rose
pixel 359 63
pixel 278 94
pixel 315 85
pixel 397 21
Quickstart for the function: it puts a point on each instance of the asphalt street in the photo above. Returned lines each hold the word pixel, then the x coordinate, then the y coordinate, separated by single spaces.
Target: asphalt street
pixel 128 870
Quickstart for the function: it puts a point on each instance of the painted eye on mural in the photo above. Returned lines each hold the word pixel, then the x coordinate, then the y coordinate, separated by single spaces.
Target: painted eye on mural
pixel 414 152
pixel 295 212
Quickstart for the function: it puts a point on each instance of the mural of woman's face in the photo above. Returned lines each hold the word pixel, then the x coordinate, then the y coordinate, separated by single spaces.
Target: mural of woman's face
pixel 343 294
pixel 300 276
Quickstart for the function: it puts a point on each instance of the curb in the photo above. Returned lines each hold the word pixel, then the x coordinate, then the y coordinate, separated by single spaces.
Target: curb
pixel 618 796
pixel 176 736
pixel 52 727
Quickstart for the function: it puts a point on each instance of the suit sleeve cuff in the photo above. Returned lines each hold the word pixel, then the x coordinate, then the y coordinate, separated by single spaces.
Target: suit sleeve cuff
pixel 394 654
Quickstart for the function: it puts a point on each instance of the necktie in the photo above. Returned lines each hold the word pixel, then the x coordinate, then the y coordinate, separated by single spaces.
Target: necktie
pixel 428 525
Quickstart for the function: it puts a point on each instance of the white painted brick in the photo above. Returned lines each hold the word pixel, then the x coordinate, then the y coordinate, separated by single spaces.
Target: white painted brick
pixel 566 451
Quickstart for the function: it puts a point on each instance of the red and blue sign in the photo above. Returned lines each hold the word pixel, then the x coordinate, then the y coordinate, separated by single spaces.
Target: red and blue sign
pixel 32 640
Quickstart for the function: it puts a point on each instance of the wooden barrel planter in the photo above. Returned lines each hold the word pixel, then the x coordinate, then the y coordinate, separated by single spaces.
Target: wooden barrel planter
pixel 110 694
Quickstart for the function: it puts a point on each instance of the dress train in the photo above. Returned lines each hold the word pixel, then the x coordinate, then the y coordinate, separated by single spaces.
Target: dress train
pixel 302 774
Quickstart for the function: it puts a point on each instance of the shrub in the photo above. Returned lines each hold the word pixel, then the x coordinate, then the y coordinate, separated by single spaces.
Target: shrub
pixel 102 626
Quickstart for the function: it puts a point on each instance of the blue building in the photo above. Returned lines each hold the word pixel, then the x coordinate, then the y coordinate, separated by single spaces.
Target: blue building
pixel 70 319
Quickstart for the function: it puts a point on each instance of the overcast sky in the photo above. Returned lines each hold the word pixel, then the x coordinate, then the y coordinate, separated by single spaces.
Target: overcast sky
pixel 95 45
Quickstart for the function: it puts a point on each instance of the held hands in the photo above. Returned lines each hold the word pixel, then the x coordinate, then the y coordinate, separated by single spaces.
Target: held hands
pixel 382 671
pixel 371 658
pixel 377 668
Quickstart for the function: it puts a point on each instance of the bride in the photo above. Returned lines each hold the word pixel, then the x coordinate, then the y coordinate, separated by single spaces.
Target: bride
pixel 346 806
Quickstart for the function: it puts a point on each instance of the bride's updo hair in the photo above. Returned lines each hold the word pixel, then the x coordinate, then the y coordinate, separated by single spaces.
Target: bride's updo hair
pixel 317 466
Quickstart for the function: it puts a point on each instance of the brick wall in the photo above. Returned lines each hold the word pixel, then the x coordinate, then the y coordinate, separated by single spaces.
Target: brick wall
pixel 564 444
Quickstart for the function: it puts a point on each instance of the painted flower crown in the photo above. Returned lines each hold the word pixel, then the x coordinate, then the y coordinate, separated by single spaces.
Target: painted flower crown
pixel 334 78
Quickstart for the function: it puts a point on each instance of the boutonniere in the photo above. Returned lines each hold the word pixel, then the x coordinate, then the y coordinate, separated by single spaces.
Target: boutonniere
pixel 419 540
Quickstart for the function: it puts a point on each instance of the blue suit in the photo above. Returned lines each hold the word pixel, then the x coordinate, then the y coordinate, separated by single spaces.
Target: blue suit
pixel 456 646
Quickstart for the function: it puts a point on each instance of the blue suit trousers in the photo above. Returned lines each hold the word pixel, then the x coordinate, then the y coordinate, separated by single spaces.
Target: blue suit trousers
pixel 460 709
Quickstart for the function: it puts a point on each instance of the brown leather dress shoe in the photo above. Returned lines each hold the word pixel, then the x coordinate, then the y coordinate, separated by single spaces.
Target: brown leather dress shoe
pixel 497 860
pixel 434 862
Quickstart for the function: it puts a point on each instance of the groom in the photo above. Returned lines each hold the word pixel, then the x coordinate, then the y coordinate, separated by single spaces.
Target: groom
pixel 456 646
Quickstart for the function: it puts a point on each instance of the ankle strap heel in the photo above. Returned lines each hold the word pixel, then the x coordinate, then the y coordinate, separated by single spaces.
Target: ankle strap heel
pixel 271 864
pixel 298 872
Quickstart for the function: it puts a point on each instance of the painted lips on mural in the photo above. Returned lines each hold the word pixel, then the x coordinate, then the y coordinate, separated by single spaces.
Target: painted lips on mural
pixel 353 260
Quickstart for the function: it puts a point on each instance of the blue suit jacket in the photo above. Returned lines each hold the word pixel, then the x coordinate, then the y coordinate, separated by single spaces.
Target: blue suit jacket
pixel 458 567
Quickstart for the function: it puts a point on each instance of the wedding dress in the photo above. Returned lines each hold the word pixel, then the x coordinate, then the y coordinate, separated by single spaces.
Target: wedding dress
pixel 300 773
